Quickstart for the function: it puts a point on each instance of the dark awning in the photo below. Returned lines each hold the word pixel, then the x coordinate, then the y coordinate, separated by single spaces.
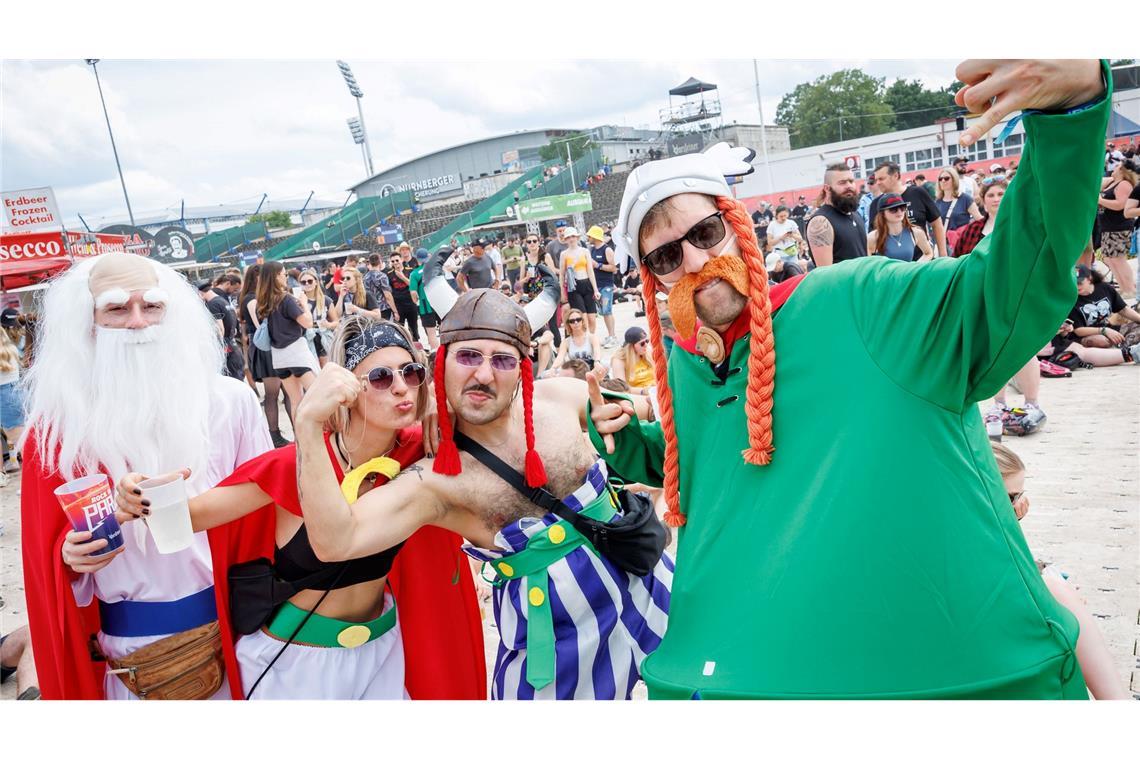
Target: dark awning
pixel 692 86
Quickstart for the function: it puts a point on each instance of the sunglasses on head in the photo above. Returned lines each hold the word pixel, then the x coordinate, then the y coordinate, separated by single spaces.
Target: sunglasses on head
pixel 469 357
pixel 381 378
pixel 705 234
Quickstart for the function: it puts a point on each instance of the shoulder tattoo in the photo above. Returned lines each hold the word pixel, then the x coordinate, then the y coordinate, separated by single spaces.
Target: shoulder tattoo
pixel 820 232
pixel 412 468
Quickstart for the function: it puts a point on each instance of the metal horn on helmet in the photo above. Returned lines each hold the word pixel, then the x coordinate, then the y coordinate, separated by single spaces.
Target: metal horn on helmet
pixel 440 295
pixel 541 309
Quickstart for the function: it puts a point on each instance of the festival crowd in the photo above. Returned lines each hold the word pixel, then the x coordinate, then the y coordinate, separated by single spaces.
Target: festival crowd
pixel 464 412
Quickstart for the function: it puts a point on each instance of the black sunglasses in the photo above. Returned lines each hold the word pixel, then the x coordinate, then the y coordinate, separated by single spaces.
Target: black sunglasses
pixel 308 282
pixel 1015 497
pixel 705 234
pixel 381 378
pixel 574 321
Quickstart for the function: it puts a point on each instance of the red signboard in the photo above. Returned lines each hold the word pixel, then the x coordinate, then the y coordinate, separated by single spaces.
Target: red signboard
pixel 39 246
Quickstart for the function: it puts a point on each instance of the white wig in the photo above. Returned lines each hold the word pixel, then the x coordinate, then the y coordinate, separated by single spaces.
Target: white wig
pixel 119 406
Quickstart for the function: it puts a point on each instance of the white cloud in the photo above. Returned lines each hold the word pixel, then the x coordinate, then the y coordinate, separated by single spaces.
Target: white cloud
pixel 212 132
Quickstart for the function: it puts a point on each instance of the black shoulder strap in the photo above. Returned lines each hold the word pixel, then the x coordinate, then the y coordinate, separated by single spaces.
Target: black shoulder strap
pixel 513 478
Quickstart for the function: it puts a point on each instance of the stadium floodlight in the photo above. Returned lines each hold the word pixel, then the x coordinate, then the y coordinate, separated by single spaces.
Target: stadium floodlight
pixel 357 132
pixel 356 92
pixel 349 79
pixel 91 62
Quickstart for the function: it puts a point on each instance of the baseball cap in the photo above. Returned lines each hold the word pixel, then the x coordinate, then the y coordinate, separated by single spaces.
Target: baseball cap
pixel 634 334
pixel 891 200
pixel 570 231
pixel 997 168
pixel 422 254
pixel 8 317
pixel 203 285
pixel 479 241
pixel 560 223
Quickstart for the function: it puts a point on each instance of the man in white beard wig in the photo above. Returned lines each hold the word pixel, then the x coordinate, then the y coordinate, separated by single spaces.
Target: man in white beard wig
pixel 127 377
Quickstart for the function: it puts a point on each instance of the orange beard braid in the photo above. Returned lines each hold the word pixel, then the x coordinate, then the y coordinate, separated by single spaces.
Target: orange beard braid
pixel 761 363
pixel 683 310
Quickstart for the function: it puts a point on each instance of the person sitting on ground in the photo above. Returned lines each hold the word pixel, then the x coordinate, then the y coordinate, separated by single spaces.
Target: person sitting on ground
pixel 894 236
pixel 633 363
pixel 1092 651
pixel 579 343
pixel 1096 302
pixel 1065 351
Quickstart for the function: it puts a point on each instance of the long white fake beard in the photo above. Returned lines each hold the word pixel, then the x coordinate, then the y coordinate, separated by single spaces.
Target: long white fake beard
pixel 148 405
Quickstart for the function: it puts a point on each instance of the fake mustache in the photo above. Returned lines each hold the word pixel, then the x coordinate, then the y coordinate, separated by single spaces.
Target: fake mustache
pixel 683 310
pixel 479 388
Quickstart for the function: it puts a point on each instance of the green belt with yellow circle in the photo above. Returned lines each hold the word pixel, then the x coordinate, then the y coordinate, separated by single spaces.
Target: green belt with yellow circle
pixel 543 549
pixel 321 631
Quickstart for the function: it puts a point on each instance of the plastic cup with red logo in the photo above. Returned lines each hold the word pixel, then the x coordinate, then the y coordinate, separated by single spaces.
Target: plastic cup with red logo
pixel 90 506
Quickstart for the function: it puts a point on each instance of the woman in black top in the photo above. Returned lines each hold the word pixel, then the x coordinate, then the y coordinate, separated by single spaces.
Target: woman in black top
pixel 259 365
pixel 1115 229
pixel 382 421
pixel 353 298
pixel 288 316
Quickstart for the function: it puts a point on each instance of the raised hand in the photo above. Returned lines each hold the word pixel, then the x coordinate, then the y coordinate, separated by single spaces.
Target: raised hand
pixel 996 88
pixel 335 387
pixel 608 417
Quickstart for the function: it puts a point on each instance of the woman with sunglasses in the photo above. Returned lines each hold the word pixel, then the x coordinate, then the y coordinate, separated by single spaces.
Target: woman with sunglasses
pixel 633 363
pixel 337 635
pixel 957 207
pixel 325 316
pixel 579 342
pixel 894 236
pixel 1100 673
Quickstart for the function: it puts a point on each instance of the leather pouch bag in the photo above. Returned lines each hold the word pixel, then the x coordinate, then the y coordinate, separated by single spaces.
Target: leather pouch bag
pixel 187 665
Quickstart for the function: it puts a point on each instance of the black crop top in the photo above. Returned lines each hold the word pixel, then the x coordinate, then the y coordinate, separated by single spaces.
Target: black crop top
pixel 296 562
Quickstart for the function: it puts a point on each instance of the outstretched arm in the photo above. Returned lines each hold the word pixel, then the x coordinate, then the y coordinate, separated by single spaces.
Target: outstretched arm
pixel 986 314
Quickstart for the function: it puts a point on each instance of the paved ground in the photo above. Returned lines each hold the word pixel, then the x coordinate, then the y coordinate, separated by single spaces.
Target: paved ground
pixel 1084 484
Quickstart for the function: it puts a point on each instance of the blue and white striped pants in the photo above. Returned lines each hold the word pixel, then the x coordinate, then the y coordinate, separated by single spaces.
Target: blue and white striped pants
pixel 605 620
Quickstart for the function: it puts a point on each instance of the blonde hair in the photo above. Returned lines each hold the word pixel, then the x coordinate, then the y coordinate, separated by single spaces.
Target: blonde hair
pixel 630 357
pixel 1008 462
pixel 9 356
pixel 955 183
pixel 359 296
pixel 319 306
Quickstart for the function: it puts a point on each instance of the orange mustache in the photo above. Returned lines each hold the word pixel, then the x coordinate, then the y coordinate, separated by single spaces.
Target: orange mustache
pixel 682 309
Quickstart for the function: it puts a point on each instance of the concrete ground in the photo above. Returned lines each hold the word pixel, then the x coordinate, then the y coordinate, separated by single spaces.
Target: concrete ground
pixel 1084 485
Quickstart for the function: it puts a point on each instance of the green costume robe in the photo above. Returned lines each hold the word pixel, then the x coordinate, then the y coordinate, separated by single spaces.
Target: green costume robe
pixel 877 556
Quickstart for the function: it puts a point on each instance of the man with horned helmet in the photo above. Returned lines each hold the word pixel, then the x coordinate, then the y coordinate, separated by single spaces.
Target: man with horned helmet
pixel 862 544
pixel 572 622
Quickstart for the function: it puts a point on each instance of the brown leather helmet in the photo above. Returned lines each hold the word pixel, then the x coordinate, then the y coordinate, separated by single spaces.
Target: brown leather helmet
pixel 486 314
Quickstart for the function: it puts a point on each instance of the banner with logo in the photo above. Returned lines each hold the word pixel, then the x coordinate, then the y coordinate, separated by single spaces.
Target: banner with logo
pixel 170 245
pixel 31 210
pixel 538 209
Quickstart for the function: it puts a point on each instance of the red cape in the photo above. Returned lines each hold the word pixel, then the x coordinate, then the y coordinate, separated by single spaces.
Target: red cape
pixel 431 580
pixel 60 629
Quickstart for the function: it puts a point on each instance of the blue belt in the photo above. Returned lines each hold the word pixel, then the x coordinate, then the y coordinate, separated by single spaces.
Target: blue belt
pixel 129 618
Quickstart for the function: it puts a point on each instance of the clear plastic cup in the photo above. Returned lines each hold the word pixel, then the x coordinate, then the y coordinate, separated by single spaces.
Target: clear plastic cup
pixel 90 505
pixel 169 518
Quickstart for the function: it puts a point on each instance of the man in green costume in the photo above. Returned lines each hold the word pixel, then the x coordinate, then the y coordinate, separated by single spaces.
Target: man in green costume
pixel 862 545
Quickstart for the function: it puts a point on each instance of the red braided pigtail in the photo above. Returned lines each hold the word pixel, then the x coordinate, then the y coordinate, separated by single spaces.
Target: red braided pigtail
pixel 447 457
pixel 674 518
pixel 535 472
pixel 762 363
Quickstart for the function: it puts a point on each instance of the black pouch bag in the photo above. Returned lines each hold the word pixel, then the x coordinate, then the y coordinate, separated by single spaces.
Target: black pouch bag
pixel 256 592
pixel 634 542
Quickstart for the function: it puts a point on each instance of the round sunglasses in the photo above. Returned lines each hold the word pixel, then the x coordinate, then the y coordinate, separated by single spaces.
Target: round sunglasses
pixel 469 357
pixel 381 378
pixel 705 234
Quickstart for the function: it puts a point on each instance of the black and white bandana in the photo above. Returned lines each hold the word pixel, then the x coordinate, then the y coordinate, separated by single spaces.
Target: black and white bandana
pixel 373 338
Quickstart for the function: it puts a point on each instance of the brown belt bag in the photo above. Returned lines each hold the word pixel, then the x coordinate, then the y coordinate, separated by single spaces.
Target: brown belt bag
pixel 187 665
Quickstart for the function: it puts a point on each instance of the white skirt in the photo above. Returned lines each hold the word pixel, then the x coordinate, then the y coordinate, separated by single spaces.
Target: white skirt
pixel 296 355
pixel 374 670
